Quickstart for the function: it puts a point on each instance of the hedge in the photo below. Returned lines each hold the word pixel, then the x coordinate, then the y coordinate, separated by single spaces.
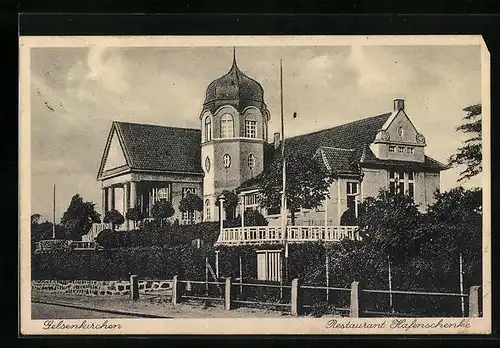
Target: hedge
pixel 153 235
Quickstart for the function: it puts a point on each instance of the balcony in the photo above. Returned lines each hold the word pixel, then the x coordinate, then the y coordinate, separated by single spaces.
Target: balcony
pixel 296 234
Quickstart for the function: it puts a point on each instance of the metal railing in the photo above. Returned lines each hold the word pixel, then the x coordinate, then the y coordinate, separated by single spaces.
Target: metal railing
pixel 295 234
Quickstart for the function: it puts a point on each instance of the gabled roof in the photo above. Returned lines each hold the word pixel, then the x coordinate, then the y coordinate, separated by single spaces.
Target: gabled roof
pixel 338 161
pixel 158 148
pixel 351 136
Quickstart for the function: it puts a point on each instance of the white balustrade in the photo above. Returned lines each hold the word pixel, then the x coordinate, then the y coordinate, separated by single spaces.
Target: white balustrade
pixel 295 234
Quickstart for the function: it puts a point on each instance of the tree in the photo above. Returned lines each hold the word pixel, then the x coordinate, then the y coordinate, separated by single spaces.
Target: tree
pixel 390 224
pixel 230 203
pixel 78 218
pixel 307 184
pixel 470 154
pixel 162 210
pixel 455 226
pixel 134 215
pixel 191 203
pixel 255 218
pixel 43 230
pixel 114 217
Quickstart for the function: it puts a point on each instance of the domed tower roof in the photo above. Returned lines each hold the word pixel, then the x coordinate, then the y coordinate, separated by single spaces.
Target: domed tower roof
pixel 236 89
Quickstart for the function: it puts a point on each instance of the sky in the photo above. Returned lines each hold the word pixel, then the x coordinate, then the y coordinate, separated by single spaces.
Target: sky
pixel 77 92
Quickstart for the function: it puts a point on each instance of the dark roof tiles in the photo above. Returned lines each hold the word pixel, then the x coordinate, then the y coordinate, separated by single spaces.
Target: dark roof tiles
pixel 160 148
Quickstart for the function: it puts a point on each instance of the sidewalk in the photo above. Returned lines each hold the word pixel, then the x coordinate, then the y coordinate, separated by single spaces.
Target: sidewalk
pixel 152 307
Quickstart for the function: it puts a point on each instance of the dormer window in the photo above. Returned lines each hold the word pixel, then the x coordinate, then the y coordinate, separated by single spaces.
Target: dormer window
pixel 392 148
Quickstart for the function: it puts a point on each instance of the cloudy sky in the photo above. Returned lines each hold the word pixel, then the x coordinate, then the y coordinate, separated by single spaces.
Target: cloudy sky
pixel 77 92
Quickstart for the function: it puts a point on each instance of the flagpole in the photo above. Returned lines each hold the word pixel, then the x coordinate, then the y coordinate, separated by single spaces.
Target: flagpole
pixel 54 215
pixel 283 195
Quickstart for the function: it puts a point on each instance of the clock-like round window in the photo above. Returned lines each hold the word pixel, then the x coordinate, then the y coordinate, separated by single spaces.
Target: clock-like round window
pixel 226 160
pixel 207 164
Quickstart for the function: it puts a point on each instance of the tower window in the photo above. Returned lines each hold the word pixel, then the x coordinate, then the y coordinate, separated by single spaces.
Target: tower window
pixel 207 164
pixel 208 129
pixel 207 210
pixel 251 161
pixel 226 126
pixel 411 150
pixel 392 148
pixel 226 160
pixel 401 149
pixel 250 129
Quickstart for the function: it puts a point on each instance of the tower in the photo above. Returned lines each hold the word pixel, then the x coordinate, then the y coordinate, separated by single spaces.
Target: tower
pixel 234 130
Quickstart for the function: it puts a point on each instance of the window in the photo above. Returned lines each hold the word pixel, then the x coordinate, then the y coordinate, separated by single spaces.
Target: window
pixel 207 164
pixel 251 200
pixel 207 210
pixel 411 150
pixel 250 129
pixel 352 192
pixel 401 149
pixel 226 126
pixel 392 148
pixel 226 161
pixel 186 190
pixel 208 129
pixel 401 132
pixel 402 183
pixel 251 161
pixel 162 193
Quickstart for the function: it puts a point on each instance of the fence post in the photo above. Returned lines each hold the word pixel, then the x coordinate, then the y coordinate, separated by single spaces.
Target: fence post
pixel 134 287
pixel 175 291
pixel 354 311
pixel 474 301
pixel 227 294
pixel 294 298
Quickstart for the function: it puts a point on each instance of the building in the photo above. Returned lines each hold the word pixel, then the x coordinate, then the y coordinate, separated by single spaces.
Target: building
pixel 144 163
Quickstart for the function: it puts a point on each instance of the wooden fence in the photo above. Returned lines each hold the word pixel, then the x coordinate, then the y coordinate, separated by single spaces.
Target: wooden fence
pixel 291 297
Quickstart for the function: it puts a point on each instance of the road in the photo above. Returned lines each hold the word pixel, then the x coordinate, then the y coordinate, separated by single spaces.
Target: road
pixel 49 311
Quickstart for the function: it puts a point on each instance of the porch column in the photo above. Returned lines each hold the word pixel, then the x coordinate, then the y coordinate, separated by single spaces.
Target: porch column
pixel 338 202
pixel 113 205
pixel 242 197
pixel 125 203
pixel 133 194
pixel 104 202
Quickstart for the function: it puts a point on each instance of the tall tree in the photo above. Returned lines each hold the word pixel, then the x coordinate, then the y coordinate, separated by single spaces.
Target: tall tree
pixel 78 218
pixel 307 184
pixel 470 154
pixel 162 210
pixel 190 204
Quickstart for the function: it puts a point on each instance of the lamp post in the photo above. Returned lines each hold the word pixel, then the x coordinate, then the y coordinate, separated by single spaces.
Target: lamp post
pixel 283 195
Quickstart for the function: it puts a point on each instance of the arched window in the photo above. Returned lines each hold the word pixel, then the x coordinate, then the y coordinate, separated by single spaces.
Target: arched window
pixel 207 210
pixel 208 128
pixel 251 161
pixel 226 126
pixel 226 160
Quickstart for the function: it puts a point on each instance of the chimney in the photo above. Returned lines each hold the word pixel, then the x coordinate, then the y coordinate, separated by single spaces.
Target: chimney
pixel 277 140
pixel 399 104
